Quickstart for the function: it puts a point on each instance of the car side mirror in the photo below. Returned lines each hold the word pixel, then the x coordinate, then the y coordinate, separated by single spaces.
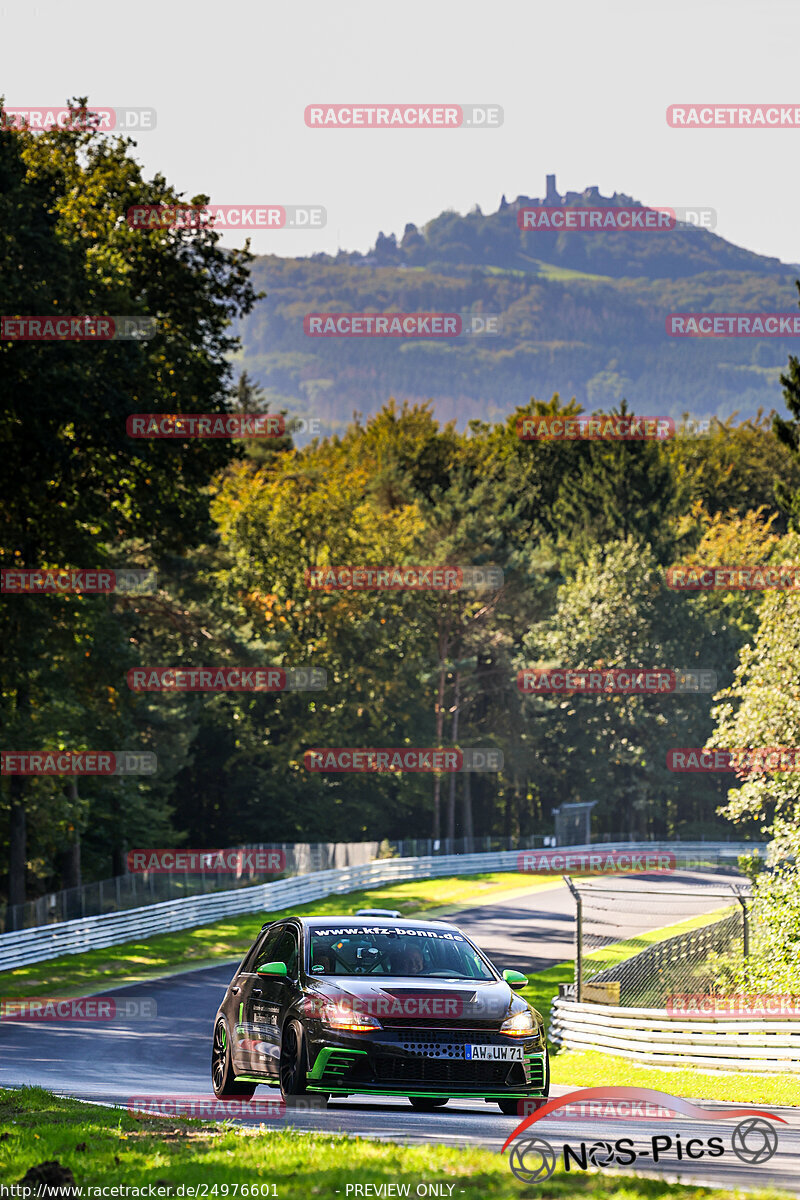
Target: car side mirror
pixel 515 979
pixel 275 968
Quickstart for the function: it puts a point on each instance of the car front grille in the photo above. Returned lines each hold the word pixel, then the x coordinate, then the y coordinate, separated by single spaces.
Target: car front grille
pixel 454 1050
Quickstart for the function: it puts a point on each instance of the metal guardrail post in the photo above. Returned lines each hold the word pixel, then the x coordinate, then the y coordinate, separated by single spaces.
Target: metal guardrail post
pixel 742 898
pixel 578 937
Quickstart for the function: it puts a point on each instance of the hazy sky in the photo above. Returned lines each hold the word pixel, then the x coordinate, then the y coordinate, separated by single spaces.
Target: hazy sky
pixel 584 87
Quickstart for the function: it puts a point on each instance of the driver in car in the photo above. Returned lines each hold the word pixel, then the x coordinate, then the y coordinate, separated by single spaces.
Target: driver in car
pixel 411 963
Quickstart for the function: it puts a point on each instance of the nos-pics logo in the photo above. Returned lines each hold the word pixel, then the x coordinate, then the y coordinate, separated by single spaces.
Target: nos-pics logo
pixel 533 1159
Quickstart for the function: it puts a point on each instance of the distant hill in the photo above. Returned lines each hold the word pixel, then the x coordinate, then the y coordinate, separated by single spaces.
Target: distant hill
pixel 582 313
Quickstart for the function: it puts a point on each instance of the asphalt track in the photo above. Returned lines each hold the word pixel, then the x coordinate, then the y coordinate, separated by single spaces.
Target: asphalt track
pixel 169 1055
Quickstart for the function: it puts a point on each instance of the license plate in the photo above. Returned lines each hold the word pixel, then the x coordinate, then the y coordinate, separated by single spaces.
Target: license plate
pixel 494 1053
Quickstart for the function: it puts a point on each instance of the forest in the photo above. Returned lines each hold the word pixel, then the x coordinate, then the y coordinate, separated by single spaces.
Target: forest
pixel 575 537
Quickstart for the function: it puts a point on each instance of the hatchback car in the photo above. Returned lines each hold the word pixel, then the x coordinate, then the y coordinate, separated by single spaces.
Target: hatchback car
pixel 377 1005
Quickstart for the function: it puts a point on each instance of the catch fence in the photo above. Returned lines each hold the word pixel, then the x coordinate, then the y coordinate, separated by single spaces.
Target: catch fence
pixel 642 943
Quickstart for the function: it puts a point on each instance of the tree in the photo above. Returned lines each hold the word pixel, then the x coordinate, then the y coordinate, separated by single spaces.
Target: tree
pixel 737 467
pixel 616 490
pixel 762 709
pixel 75 488
pixel 614 612
pixel 788 434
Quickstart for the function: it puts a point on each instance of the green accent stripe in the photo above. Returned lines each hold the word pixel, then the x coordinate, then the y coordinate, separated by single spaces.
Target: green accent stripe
pixel 372 1091
pixel 257 1079
pixel 326 1053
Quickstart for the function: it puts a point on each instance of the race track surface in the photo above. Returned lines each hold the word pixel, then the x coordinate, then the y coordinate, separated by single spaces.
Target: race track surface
pixel 169 1054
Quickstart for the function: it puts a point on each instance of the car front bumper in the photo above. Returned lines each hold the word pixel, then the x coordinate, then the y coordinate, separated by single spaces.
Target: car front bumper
pixel 423 1063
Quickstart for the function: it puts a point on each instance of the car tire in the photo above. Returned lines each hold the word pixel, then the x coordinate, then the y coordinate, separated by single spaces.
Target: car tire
pixel 293 1063
pixel 427 1103
pixel 511 1106
pixel 223 1079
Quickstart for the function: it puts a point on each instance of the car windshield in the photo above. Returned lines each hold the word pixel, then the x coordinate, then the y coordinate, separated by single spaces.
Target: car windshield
pixel 383 950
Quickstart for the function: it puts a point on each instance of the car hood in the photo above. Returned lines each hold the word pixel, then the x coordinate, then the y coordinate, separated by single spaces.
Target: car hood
pixel 406 1000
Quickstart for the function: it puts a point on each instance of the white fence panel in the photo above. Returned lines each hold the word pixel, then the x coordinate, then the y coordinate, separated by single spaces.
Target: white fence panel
pixel 651 1035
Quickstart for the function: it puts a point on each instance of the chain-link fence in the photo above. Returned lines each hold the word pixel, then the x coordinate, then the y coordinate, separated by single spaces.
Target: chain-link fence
pixel 646 943
pixel 136 889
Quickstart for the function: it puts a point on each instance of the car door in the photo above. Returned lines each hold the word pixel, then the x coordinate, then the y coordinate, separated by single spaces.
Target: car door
pixel 247 1033
pixel 270 997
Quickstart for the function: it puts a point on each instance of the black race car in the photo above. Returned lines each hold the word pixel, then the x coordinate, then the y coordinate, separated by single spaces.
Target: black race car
pixel 345 1005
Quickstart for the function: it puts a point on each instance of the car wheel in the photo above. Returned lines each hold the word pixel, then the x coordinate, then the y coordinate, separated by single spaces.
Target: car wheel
pixel 222 1076
pixel 428 1103
pixel 292 1066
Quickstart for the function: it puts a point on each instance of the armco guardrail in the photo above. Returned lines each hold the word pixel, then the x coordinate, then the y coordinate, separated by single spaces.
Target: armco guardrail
pixel 93 933
pixel 655 1037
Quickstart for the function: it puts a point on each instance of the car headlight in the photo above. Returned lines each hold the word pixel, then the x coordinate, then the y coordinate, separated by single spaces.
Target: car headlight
pixel 349 1019
pixel 522 1025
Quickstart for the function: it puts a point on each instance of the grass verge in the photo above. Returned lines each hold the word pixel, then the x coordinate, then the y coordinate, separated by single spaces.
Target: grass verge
pixel 209 945
pixel 594 1068
pixel 110 1146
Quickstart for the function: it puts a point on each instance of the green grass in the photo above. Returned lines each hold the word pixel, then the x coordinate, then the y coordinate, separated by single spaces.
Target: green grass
pixel 593 1068
pixel 543 986
pixel 110 1146
pixel 566 274
pixel 207 945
